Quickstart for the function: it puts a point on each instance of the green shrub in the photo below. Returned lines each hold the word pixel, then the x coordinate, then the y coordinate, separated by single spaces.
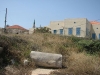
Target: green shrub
pixel 90 46
pixel 42 30
pixel 83 44
pixel 75 39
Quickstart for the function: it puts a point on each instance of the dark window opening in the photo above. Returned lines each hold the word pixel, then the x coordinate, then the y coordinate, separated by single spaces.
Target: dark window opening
pixel 74 22
pixel 61 31
pixel 78 31
pixel 70 31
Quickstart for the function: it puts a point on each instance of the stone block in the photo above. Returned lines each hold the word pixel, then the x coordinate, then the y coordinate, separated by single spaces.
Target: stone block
pixel 47 59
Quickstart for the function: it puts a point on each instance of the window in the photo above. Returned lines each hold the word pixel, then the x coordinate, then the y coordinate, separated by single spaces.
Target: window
pixel 93 35
pixel 55 31
pixel 99 36
pixel 78 31
pixel 70 31
pixel 74 22
pixel 61 31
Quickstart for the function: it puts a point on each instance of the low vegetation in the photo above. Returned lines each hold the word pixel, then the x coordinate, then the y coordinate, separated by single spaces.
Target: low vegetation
pixel 80 56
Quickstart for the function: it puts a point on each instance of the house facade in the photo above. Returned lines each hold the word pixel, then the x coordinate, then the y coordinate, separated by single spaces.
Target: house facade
pixel 56 27
pixel 79 27
pixel 16 29
pixel 95 30
pixel 31 30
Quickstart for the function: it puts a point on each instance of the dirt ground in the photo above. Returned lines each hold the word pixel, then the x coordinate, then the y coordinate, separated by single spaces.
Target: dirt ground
pixel 40 71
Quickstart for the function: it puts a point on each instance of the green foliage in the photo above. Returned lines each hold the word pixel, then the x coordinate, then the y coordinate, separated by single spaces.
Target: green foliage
pixel 75 39
pixel 85 42
pixel 90 46
pixel 43 30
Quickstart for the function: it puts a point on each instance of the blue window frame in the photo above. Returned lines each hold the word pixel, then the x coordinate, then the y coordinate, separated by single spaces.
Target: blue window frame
pixel 70 31
pixel 99 36
pixel 78 31
pixel 61 31
pixel 93 36
pixel 55 31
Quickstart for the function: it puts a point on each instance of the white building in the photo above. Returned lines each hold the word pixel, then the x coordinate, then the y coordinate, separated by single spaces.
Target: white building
pixel 79 27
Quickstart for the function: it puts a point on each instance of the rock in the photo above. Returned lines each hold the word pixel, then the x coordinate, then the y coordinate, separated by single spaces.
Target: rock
pixel 47 59
pixel 26 62
pixel 11 70
pixel 1 49
pixel 12 61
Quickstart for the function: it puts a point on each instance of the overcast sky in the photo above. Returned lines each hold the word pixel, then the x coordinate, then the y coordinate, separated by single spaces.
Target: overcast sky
pixel 23 12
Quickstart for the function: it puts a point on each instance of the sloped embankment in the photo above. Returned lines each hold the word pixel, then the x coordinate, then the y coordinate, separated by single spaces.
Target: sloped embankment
pixel 82 56
pixel 15 50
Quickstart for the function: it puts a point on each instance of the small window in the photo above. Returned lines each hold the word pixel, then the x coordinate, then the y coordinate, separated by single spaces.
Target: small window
pixel 70 31
pixel 55 31
pixel 93 36
pixel 61 31
pixel 99 36
pixel 78 31
pixel 74 22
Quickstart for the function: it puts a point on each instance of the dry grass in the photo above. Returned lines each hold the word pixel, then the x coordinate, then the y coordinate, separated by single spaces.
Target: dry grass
pixel 76 63
pixel 81 64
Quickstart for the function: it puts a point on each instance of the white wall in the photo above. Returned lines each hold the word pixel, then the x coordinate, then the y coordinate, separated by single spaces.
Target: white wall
pixel 88 29
pixel 56 25
pixel 74 23
pixel 31 30
pixel 95 29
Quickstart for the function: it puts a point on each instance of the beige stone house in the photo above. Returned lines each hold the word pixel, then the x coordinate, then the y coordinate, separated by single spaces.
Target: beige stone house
pixel 95 29
pixel 79 27
pixel 31 30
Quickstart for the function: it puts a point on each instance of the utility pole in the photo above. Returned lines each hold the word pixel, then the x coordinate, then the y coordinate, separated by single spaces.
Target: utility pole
pixel 5 21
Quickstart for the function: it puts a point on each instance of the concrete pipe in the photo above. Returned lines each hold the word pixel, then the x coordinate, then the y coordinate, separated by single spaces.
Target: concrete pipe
pixel 47 59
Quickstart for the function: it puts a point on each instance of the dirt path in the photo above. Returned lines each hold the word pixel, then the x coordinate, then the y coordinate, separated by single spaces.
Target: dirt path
pixel 41 71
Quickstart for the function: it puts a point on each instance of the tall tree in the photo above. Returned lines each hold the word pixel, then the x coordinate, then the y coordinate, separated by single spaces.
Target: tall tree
pixel 40 25
pixel 34 24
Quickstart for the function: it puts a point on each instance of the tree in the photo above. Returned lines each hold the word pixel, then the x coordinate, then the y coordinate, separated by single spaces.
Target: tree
pixel 43 30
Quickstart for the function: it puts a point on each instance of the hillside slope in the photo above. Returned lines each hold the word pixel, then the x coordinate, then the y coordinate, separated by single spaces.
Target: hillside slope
pixel 80 56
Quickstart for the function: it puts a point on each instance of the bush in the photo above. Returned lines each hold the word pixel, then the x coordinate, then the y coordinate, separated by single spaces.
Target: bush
pixel 90 46
pixel 75 39
pixel 43 30
pixel 84 44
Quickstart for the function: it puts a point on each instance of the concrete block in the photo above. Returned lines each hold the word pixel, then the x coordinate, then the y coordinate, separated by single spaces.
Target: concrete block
pixel 47 59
